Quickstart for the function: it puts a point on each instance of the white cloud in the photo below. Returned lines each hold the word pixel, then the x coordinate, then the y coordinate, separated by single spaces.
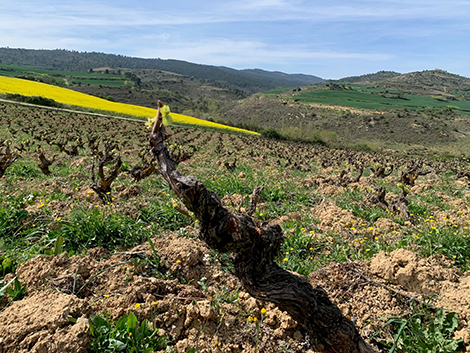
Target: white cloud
pixel 268 34
pixel 26 14
pixel 247 53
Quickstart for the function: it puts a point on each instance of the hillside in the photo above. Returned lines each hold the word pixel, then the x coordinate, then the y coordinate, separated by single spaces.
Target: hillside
pixel 250 81
pixel 427 131
pixel 430 82
pixel 420 112
pixel 378 76
pixel 427 82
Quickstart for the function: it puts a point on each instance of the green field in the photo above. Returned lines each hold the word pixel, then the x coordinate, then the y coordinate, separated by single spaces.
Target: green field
pixel 84 78
pixel 367 100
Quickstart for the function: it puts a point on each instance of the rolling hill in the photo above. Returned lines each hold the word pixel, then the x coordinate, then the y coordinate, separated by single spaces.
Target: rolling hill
pixel 250 81
pixel 424 111
pixel 378 76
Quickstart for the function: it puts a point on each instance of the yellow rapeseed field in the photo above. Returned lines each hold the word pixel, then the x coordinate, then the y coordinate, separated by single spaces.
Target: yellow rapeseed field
pixel 14 85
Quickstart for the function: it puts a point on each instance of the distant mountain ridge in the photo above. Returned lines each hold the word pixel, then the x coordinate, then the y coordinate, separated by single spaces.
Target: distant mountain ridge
pixel 250 80
pixel 378 76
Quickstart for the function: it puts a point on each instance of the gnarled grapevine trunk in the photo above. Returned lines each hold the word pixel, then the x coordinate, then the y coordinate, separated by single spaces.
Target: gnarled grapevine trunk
pixel 254 250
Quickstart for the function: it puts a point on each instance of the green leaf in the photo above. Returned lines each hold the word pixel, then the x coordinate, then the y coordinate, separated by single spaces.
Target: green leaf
pixel 18 291
pixel 92 329
pixel 98 322
pixel 5 287
pixel 440 318
pixel 58 245
pixel 131 323
pixel 72 320
pixel 451 323
pixel 452 346
pixel 116 344
pixel 121 324
pixel 398 337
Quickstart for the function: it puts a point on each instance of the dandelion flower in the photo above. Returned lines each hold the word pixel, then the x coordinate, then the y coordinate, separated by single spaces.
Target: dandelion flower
pixel 263 311
pixel 137 305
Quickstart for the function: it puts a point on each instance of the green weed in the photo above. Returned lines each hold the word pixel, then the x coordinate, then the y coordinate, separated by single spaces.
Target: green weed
pixel 422 332
pixel 447 240
pixel 92 228
pixel 15 292
pixel 125 335
pixel 163 215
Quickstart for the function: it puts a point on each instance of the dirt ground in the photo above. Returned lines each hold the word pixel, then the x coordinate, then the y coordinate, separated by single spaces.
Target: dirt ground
pixel 197 310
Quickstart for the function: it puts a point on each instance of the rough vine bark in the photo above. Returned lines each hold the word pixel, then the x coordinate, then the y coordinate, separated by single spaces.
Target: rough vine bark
pixel 7 158
pixel 254 250
pixel 45 163
pixel 103 187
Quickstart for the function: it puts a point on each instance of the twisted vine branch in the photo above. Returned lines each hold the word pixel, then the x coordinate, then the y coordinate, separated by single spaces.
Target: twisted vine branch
pixel 254 250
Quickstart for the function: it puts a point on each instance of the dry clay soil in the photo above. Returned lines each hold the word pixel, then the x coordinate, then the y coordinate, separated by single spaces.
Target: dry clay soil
pixel 200 316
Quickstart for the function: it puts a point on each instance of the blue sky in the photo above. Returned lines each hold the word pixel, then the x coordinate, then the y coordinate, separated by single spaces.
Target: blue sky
pixel 330 39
